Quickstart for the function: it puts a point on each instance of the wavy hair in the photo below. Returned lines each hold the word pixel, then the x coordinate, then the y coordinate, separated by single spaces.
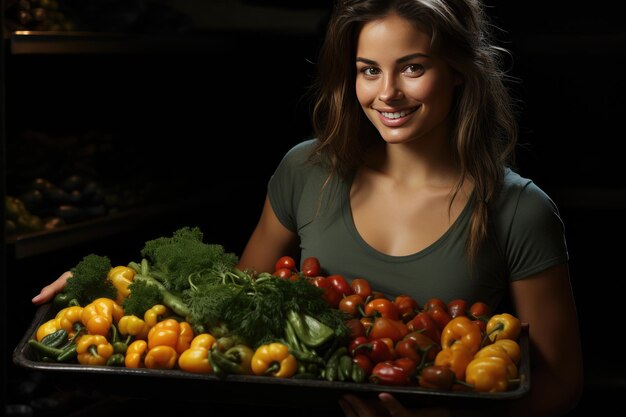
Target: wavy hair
pixel 484 126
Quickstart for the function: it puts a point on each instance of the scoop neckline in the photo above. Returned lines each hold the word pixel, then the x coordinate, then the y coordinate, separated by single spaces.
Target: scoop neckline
pixel 454 228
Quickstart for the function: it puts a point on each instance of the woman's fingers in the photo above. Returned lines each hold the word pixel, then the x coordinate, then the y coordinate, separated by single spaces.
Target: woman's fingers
pixel 49 291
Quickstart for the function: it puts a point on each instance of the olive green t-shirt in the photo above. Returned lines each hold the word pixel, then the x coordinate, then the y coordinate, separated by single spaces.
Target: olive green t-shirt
pixel 526 237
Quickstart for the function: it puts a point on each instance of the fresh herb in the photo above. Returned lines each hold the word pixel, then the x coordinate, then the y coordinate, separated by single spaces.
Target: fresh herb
pixel 89 280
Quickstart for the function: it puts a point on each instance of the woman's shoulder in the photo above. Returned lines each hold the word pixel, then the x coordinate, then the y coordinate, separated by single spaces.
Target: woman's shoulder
pixel 521 196
pixel 301 151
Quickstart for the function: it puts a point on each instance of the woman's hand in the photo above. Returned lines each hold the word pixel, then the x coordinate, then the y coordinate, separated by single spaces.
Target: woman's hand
pixel 354 406
pixel 49 291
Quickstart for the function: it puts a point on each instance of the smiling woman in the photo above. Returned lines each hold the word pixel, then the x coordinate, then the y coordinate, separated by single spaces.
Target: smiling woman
pixel 410 183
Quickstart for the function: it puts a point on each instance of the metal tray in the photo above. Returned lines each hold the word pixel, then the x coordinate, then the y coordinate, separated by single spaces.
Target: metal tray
pixel 256 390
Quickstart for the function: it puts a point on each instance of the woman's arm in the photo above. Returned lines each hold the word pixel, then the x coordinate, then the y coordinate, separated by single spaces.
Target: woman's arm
pixel 545 301
pixel 269 241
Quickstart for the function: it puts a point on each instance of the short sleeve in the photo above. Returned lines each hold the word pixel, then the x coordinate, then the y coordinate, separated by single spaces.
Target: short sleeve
pixel 536 238
pixel 286 184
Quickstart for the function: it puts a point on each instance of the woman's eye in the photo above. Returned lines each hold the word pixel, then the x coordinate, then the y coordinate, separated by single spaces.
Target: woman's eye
pixel 414 69
pixel 370 71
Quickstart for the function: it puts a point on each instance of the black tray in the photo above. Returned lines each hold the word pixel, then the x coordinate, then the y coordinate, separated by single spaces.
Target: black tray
pixel 256 390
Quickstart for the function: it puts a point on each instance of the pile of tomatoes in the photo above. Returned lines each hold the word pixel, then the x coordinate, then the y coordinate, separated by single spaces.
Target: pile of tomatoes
pixel 397 341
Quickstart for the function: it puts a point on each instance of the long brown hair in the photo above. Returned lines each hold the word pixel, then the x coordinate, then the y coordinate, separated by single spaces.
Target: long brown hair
pixel 484 133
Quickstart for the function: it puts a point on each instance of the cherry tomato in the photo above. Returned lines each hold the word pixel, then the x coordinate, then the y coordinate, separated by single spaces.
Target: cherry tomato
pixel 439 316
pixel 480 310
pixel 362 287
pixel 457 308
pixel 352 304
pixel 386 327
pixel 356 327
pixel 310 267
pixel 364 362
pixel 283 273
pixel 427 346
pixel 382 307
pixel 407 306
pixel 423 322
pixel 285 262
pixel 340 284
pixel 433 302
pixel 408 348
pixel 437 377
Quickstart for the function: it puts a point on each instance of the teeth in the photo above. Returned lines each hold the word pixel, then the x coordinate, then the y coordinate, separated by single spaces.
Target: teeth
pixel 396 115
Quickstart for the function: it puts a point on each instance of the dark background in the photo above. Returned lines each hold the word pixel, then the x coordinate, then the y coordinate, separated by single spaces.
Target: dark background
pixel 137 111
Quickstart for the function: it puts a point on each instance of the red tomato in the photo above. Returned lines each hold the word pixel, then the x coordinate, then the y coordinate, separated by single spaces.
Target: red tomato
pixel 356 342
pixel 331 296
pixel 356 327
pixel 310 267
pixel 433 302
pixel 364 362
pixel 439 316
pixel 285 262
pixel 427 346
pixel 457 308
pixel 284 273
pixel 362 287
pixel 340 284
pixel 407 306
pixel 352 304
pixel 422 321
pixel 408 348
pixel 480 310
pixel 386 327
pixel 382 307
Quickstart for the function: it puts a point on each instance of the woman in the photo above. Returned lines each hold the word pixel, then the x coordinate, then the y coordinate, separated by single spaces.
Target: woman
pixel 408 184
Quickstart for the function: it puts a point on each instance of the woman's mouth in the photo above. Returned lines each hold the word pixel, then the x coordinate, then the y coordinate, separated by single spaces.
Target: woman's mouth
pixel 397 118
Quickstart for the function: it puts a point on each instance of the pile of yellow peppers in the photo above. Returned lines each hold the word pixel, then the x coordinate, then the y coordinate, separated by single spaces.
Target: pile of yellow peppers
pixel 485 363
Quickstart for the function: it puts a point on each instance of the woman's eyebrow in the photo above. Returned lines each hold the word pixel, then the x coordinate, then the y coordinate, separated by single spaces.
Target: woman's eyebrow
pixel 399 60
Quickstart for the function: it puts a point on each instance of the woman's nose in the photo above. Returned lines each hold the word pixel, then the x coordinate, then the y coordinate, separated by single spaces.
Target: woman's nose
pixel 390 90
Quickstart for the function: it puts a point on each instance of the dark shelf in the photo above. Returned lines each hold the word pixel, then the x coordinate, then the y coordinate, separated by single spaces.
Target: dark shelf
pixel 32 244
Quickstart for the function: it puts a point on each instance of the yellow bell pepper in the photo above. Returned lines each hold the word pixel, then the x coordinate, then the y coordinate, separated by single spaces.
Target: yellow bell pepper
pixel 498 351
pixel 461 330
pixel 98 315
pixel 196 358
pixel 68 317
pixel 157 313
pixel 456 357
pixel 133 326
pixel 169 332
pixel 47 328
pixel 488 374
pixel 511 347
pixel 274 359
pixel 503 326
pixel 93 349
pixel 161 357
pixel 121 277
pixel 135 354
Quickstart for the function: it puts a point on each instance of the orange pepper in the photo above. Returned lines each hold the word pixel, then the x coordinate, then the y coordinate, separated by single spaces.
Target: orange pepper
pixel 161 357
pixel 461 330
pixel 170 332
pixel 98 315
pixel 274 359
pixel 498 351
pixel 511 347
pixel 157 313
pixel 121 277
pixel 196 357
pixel 47 328
pixel 68 316
pixel 93 349
pixel 135 354
pixel 456 357
pixel 488 374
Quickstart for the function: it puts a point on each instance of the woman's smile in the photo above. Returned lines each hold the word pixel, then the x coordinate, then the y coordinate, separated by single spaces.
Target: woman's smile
pixel 396 118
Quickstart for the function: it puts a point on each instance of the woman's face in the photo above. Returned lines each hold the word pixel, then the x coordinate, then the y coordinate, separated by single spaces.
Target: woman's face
pixel 403 88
